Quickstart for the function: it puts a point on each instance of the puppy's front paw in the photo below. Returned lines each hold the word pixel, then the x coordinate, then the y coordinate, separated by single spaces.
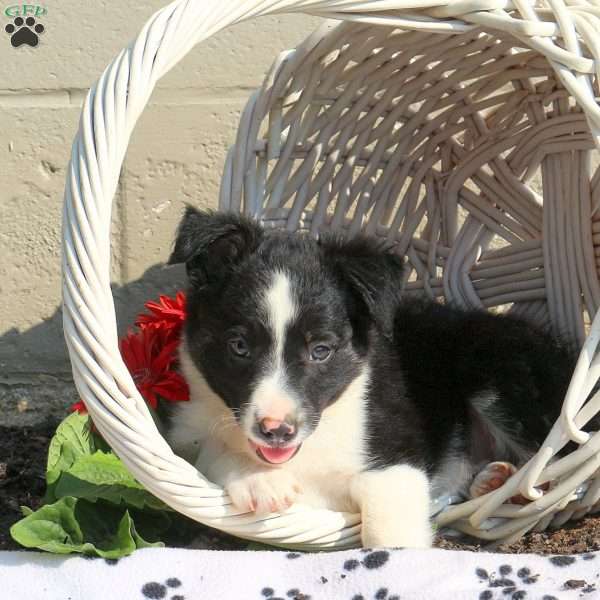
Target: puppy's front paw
pixel 394 506
pixel 396 533
pixel 263 491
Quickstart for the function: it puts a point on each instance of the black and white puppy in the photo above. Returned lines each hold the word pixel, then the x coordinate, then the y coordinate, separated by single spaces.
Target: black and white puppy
pixel 313 380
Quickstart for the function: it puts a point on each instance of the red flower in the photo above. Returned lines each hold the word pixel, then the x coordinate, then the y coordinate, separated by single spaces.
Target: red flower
pixel 79 407
pixel 168 314
pixel 150 355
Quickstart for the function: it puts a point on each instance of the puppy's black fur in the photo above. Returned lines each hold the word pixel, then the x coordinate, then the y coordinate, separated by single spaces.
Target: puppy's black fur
pixel 444 383
pixel 448 358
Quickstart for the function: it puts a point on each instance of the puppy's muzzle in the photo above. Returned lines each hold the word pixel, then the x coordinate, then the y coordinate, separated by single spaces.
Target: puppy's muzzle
pixel 277 440
pixel 276 432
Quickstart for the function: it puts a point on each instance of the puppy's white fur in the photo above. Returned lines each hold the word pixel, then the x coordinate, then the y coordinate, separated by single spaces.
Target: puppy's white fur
pixel 281 310
pixel 394 507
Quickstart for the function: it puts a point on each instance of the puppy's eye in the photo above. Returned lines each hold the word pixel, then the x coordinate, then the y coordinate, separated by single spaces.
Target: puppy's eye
pixel 320 352
pixel 238 347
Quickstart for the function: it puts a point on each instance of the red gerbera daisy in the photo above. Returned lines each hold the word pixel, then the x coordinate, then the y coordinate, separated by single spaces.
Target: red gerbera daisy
pixel 79 407
pixel 150 355
pixel 168 314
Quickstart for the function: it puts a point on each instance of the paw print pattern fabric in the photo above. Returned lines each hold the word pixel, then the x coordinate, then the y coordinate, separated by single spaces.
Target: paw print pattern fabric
pixel 367 574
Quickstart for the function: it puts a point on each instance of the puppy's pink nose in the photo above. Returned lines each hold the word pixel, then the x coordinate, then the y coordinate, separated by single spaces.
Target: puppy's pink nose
pixel 277 430
pixel 268 424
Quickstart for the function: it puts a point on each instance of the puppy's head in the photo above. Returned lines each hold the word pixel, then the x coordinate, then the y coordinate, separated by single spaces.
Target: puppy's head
pixel 279 324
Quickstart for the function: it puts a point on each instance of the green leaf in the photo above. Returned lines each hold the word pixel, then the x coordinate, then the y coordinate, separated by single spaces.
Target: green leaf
pixel 140 542
pixel 102 476
pixel 91 500
pixel 52 528
pixel 149 526
pixel 74 525
pixel 78 468
pixel 73 439
pixel 105 528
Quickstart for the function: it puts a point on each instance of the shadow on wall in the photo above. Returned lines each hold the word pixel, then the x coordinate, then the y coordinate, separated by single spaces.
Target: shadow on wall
pixel 42 349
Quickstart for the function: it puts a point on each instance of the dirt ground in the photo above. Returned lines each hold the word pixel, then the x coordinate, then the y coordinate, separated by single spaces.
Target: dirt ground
pixel 22 464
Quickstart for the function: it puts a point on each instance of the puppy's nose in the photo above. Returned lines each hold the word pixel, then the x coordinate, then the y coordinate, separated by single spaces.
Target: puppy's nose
pixel 276 431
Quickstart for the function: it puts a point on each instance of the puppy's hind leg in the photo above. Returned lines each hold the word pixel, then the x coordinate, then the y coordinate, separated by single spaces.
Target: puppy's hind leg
pixel 495 475
pixel 491 477
pixel 394 506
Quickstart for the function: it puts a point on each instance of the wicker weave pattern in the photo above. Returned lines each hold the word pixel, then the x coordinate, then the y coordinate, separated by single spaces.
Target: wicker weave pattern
pixel 384 136
pixel 429 140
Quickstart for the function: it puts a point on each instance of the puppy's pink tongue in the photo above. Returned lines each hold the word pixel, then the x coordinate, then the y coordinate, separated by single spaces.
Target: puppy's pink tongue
pixel 277 455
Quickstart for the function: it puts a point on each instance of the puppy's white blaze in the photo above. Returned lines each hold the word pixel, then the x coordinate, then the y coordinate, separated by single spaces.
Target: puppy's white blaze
pixel 271 397
pixel 281 310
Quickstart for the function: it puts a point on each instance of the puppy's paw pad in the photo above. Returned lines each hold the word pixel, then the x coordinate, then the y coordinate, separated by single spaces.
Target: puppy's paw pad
pixel 264 492
pixel 491 478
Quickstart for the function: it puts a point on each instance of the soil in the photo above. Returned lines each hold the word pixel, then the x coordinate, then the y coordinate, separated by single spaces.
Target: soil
pixel 22 465
pixel 573 538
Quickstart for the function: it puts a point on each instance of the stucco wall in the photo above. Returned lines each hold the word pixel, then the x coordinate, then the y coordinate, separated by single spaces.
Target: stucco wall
pixel 175 156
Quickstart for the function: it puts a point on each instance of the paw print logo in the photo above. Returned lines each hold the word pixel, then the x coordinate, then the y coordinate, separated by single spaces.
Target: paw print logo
pixel 24 31
pixel 157 591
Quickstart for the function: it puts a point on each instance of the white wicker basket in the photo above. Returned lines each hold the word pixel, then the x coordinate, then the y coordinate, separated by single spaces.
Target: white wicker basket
pixel 416 120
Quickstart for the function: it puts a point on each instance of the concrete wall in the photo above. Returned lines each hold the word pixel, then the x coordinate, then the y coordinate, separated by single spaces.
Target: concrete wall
pixel 175 156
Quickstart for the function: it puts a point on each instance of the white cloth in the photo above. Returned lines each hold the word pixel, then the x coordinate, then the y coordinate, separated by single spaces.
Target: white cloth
pixel 178 574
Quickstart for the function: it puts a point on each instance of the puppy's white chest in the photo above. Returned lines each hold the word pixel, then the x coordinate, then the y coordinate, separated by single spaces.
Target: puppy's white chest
pixel 325 485
pixel 335 452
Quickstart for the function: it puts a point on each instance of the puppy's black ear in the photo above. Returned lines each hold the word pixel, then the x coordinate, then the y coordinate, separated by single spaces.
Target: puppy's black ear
pixel 373 272
pixel 211 243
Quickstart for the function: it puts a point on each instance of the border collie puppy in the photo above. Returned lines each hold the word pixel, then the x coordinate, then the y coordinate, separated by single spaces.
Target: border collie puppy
pixel 313 380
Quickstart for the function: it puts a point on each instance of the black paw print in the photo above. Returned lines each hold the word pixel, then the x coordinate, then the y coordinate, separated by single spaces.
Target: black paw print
pixel 24 31
pixel 505 582
pixel 579 584
pixel 562 560
pixel 293 594
pixel 156 591
pixel 380 594
pixel 372 560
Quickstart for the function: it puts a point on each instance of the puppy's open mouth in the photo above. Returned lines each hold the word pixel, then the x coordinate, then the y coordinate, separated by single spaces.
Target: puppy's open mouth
pixel 274 456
